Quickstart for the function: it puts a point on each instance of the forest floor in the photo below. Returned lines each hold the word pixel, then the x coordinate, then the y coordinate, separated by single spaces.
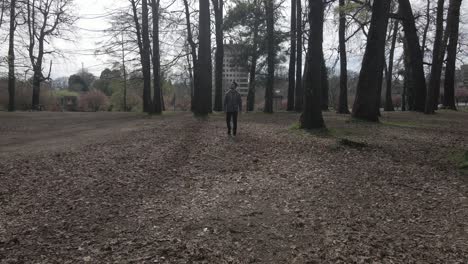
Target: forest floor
pixel 128 188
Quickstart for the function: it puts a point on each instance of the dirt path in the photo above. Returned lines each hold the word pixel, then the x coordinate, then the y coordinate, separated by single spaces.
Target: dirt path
pixel 174 189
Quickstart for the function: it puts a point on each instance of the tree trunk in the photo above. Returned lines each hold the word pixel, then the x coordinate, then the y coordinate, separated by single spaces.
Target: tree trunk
pixel 434 81
pixel 253 71
pixel 388 93
pixel 453 30
pixel 372 65
pixel 325 89
pixel 219 56
pixel 299 94
pixel 269 8
pixel 11 58
pixel 157 100
pixel 409 80
pixel 292 58
pixel 312 116
pixel 343 100
pixel 193 48
pixel 145 61
pixel 414 55
pixel 203 91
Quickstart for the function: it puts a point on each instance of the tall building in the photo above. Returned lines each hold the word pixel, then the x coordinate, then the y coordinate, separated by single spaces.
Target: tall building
pixel 235 68
pixel 464 73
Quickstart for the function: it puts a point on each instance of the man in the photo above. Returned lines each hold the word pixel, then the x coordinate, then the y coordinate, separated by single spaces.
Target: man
pixel 232 107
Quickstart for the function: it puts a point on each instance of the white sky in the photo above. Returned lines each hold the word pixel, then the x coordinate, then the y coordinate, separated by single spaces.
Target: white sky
pixel 93 19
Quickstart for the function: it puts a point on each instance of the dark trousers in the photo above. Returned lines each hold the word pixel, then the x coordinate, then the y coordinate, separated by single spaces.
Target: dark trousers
pixel 233 116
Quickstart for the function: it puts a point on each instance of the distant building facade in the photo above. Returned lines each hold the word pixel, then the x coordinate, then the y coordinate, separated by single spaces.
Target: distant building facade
pixel 464 73
pixel 235 68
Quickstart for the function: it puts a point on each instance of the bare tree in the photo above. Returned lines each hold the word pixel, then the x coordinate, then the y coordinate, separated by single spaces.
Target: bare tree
pixel 414 54
pixel 219 56
pixel 388 93
pixel 11 56
pixel 343 99
pixel 269 10
pixel 367 100
pixel 434 81
pixel 312 115
pixel 299 93
pixel 203 91
pixel 45 19
pixel 292 57
pixel 157 80
pixel 453 21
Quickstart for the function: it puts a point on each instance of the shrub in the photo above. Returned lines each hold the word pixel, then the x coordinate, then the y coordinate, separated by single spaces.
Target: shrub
pixel 93 101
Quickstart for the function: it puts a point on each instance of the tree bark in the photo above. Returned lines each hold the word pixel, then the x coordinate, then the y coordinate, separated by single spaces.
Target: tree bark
pixel 203 92
pixel 388 93
pixel 453 30
pixel 269 8
pixel 414 55
pixel 372 65
pixel 11 58
pixel 292 58
pixel 146 61
pixel 193 48
pixel 299 93
pixel 343 99
pixel 219 56
pixel 157 96
pixel 434 81
pixel 312 115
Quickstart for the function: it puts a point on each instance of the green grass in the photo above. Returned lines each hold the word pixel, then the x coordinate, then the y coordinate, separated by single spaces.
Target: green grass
pixel 405 124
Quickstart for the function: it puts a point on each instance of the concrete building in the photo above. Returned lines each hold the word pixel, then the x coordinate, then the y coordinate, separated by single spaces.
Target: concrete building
pixel 235 68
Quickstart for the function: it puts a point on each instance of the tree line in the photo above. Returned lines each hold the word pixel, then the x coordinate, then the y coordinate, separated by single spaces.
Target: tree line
pixel 381 25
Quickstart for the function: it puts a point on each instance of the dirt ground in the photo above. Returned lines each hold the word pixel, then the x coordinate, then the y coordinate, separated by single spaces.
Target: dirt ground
pixel 128 188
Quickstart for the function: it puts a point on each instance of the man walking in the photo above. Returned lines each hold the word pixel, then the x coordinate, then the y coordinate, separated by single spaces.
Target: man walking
pixel 232 107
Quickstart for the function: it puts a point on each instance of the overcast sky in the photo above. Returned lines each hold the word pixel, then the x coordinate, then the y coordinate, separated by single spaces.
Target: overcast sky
pixel 94 18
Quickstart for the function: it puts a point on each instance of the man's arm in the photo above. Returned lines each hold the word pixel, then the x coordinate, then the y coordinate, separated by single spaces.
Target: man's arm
pixel 240 102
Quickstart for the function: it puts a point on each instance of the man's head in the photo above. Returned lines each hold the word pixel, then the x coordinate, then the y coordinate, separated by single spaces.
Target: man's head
pixel 233 85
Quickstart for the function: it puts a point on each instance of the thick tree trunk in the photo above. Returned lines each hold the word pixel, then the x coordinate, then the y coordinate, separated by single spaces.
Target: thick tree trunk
pixel 157 100
pixel 434 81
pixel 11 58
pixel 146 61
pixel 269 7
pixel 367 99
pixel 453 30
pixel 388 93
pixel 219 56
pixel 36 85
pixel 292 58
pixel 203 95
pixel 414 55
pixel 299 93
pixel 343 99
pixel 312 116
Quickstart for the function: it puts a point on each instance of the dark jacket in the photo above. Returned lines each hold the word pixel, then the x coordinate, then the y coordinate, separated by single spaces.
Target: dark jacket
pixel 232 101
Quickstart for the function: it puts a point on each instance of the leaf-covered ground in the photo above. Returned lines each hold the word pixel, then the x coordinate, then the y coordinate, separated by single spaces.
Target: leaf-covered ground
pixel 127 188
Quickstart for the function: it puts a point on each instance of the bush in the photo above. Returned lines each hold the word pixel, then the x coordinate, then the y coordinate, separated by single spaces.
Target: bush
pixel 93 101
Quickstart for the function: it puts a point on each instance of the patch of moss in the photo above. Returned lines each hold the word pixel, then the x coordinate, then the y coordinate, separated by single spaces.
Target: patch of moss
pixel 460 158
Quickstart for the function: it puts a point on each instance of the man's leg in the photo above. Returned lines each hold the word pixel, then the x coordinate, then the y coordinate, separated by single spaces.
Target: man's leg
pixel 234 115
pixel 228 121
